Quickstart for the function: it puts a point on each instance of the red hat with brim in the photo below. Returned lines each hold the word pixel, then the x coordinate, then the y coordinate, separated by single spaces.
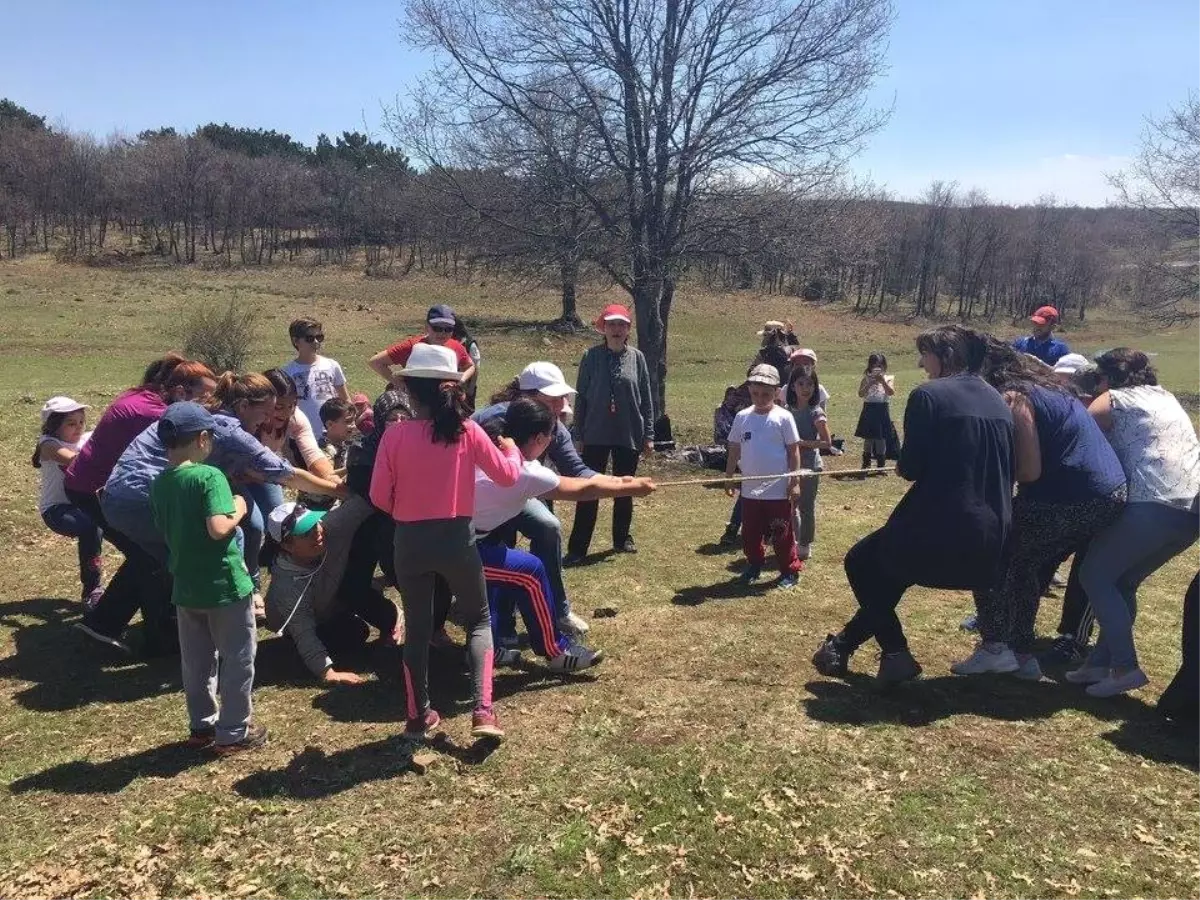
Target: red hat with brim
pixel 1044 315
pixel 614 312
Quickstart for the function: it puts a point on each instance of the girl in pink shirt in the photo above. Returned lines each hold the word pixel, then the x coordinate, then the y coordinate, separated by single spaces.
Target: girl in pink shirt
pixel 424 477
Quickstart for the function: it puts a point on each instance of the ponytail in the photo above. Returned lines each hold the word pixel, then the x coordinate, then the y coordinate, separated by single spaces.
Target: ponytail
pixel 251 387
pixel 445 404
pixel 509 392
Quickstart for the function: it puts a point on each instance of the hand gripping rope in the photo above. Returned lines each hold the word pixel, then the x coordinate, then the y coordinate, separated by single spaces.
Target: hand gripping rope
pixel 798 473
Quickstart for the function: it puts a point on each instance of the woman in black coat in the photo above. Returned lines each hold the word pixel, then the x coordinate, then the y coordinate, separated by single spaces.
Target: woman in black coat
pixel 949 529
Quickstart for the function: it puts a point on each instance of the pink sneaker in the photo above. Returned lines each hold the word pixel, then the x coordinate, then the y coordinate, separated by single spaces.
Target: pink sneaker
pixel 484 724
pixel 422 728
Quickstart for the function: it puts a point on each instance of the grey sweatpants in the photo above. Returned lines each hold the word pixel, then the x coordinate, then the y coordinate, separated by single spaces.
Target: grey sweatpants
pixel 424 550
pixel 804 512
pixel 216 651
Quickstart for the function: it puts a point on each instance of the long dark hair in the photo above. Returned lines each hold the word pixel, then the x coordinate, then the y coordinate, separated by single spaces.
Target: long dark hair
pixel 875 361
pixel 1007 369
pixel 1126 367
pixel 790 395
pixel 49 429
pixel 509 392
pixel 958 348
pixel 156 374
pixel 526 419
pixel 445 404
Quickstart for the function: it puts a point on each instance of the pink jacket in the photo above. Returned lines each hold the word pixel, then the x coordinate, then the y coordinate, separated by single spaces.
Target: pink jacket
pixel 417 479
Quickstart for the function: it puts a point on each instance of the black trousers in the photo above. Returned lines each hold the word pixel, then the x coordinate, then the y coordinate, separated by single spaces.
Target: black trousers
pixel 624 462
pixel 1181 699
pixel 878 586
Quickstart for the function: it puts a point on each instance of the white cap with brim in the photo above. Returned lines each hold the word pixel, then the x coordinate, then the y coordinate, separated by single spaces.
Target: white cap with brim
pixel 63 405
pixel 545 378
pixel 1071 363
pixel 432 361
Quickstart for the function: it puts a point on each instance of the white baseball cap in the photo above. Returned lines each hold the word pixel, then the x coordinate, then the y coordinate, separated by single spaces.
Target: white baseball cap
pixel 1071 363
pixel 545 378
pixel 432 361
pixel 60 405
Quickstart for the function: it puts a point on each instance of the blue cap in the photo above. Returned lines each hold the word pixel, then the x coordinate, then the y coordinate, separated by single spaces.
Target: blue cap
pixel 182 419
pixel 441 315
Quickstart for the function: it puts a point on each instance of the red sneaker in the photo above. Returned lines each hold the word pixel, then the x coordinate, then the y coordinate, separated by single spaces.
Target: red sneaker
pixel 421 728
pixel 484 724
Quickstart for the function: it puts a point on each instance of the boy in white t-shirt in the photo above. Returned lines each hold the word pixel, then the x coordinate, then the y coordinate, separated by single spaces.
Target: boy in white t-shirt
pixel 317 378
pixel 764 441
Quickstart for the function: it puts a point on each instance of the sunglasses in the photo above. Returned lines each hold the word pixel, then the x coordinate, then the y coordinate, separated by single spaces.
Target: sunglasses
pixel 443 329
pixel 289 524
pixel 315 338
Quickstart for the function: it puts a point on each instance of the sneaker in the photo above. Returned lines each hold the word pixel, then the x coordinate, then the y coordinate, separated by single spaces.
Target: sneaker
pixel 1118 684
pixel 576 657
pixel 420 728
pixel 201 738
pixel 573 559
pixel 831 659
pixel 970 624
pixel 804 551
pixel 92 598
pixel 750 574
pixel 988 658
pixel 626 546
pixel 1029 667
pixel 897 667
pixel 505 657
pixel 97 635
pixel 787 581
pixel 256 736
pixel 1086 674
pixel 1057 581
pixel 571 624
pixel 730 537
pixel 1064 650
pixel 484 724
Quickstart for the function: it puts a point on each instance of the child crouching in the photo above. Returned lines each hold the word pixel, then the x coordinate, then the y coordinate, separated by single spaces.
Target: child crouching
pixel 764 441
pixel 198 515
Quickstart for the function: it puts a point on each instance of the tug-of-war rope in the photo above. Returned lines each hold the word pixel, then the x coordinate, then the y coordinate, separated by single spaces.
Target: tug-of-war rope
pixel 798 473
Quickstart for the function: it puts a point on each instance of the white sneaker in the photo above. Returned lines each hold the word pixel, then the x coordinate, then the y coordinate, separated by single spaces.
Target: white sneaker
pixel 573 625
pixel 1086 674
pixel 260 606
pixel 804 551
pixel 987 658
pixel 1030 669
pixel 1119 684
pixel 576 657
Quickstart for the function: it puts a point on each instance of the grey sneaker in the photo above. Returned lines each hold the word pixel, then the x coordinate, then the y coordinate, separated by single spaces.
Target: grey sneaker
pixel 897 667
pixel 831 659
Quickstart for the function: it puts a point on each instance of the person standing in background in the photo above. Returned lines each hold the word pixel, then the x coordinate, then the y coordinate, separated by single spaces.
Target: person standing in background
pixel 1042 343
pixel 614 416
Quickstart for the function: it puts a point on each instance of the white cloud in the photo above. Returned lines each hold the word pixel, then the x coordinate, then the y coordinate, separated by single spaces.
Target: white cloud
pixel 1072 178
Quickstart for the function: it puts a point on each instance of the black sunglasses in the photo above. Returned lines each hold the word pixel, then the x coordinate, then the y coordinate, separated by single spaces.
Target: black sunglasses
pixel 314 338
pixel 443 329
pixel 289 524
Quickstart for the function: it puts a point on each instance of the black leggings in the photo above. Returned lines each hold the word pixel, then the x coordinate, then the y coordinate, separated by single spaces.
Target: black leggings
pixel 624 462
pixel 878 590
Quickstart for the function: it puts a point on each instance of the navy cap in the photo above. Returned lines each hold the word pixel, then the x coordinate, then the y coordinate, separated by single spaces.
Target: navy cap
pixel 184 418
pixel 441 315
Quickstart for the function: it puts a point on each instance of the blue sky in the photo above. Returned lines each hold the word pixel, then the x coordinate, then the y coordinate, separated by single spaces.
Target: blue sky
pixel 1018 97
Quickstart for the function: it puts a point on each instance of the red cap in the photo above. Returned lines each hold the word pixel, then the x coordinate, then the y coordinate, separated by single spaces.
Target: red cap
pixel 614 312
pixel 1044 315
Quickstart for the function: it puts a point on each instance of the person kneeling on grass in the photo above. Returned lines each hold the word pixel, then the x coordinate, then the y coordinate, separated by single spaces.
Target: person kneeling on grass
pixel 196 511
pixel 515 576
pixel 316 596
pixel 764 441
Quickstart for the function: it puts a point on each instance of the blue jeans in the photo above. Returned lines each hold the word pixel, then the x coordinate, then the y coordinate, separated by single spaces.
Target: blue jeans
pixel 544 531
pixel 71 521
pixel 260 500
pixel 735 516
pixel 1119 559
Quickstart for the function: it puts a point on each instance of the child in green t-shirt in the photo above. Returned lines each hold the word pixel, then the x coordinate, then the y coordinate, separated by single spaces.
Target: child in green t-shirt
pixel 198 515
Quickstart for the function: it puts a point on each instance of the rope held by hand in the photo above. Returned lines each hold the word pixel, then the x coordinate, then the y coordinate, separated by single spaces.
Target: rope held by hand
pixel 798 473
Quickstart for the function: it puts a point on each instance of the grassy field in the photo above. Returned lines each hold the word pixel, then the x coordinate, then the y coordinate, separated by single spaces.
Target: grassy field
pixel 704 758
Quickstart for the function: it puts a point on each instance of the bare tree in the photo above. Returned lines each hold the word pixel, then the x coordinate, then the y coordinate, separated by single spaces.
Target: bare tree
pixel 1164 183
pixel 672 94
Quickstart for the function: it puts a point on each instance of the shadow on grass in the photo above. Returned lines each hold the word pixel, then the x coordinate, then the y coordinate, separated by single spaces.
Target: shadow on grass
pixel 858 701
pixel 593 559
pixel 718 549
pixel 1159 741
pixel 731 589
pixel 83 777
pixel 314 774
pixel 67 670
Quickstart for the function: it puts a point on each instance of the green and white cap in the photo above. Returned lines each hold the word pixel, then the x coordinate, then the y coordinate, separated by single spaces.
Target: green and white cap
pixel 292 520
